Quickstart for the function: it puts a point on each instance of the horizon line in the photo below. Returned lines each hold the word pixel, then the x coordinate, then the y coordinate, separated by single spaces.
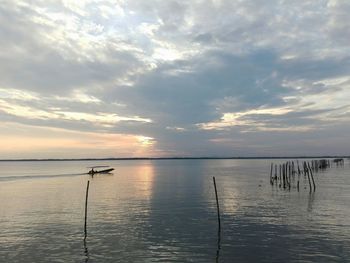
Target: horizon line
pixel 173 158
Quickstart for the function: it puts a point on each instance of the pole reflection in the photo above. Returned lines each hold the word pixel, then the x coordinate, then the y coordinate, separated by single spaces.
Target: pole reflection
pixel 218 246
pixel 310 202
pixel 86 252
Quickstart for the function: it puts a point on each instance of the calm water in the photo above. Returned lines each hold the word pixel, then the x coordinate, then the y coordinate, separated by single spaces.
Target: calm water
pixel 165 211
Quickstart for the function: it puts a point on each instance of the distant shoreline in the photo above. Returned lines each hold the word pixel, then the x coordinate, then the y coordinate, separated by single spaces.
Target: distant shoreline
pixel 173 158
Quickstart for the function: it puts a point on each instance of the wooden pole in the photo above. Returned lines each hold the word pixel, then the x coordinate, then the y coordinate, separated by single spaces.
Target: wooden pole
pixel 86 204
pixel 219 221
pixel 271 180
pixel 289 175
pixel 280 177
pixel 312 177
pixel 289 169
pixel 217 203
pixel 286 173
pixel 284 176
pixel 298 168
pixel 276 174
pixel 308 174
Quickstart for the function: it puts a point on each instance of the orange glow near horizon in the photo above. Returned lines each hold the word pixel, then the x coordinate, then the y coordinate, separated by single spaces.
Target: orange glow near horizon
pixel 34 142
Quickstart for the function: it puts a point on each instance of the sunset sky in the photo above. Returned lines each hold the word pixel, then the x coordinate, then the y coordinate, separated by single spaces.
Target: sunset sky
pixel 119 78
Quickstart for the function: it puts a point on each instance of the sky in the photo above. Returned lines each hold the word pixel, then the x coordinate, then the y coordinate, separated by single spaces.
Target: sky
pixel 164 78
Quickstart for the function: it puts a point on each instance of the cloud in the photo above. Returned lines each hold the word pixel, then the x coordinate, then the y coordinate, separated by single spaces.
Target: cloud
pixel 191 78
pixel 338 26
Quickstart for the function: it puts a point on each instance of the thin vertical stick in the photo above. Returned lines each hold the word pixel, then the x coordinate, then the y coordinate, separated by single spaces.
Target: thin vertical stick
pixel 217 203
pixel 289 179
pixel 86 203
pixel 284 176
pixel 271 181
pixel 219 222
pixel 312 177
pixel 280 177
pixel 308 174
pixel 289 169
pixel 276 174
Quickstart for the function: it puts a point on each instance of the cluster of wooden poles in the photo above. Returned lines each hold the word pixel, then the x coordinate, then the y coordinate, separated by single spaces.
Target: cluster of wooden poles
pixel 288 174
pixel 339 161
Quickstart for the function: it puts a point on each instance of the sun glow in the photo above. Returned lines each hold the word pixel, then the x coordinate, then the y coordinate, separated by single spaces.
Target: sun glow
pixel 145 141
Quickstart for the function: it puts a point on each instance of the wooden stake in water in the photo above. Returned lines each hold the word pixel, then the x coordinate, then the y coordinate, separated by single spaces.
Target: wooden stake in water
pixel 280 178
pixel 276 174
pixel 312 177
pixel 306 171
pixel 219 222
pixel 217 203
pixel 271 180
pixel 86 203
pixel 284 176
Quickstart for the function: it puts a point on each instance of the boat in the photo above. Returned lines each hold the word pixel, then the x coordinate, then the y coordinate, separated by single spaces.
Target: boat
pixel 104 171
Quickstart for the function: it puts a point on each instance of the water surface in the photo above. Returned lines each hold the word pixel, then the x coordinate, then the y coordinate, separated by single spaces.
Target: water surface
pixel 165 211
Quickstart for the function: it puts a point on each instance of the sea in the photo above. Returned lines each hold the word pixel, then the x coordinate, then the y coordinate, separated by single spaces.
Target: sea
pixel 166 211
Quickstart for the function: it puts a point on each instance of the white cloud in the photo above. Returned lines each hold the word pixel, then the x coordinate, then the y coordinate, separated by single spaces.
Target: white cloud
pixel 18 94
pixel 230 119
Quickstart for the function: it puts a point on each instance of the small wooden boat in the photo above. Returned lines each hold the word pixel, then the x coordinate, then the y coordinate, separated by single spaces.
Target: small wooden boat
pixel 105 171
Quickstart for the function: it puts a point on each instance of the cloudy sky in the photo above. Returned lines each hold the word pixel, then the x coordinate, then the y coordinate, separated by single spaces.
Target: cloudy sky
pixel 134 78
